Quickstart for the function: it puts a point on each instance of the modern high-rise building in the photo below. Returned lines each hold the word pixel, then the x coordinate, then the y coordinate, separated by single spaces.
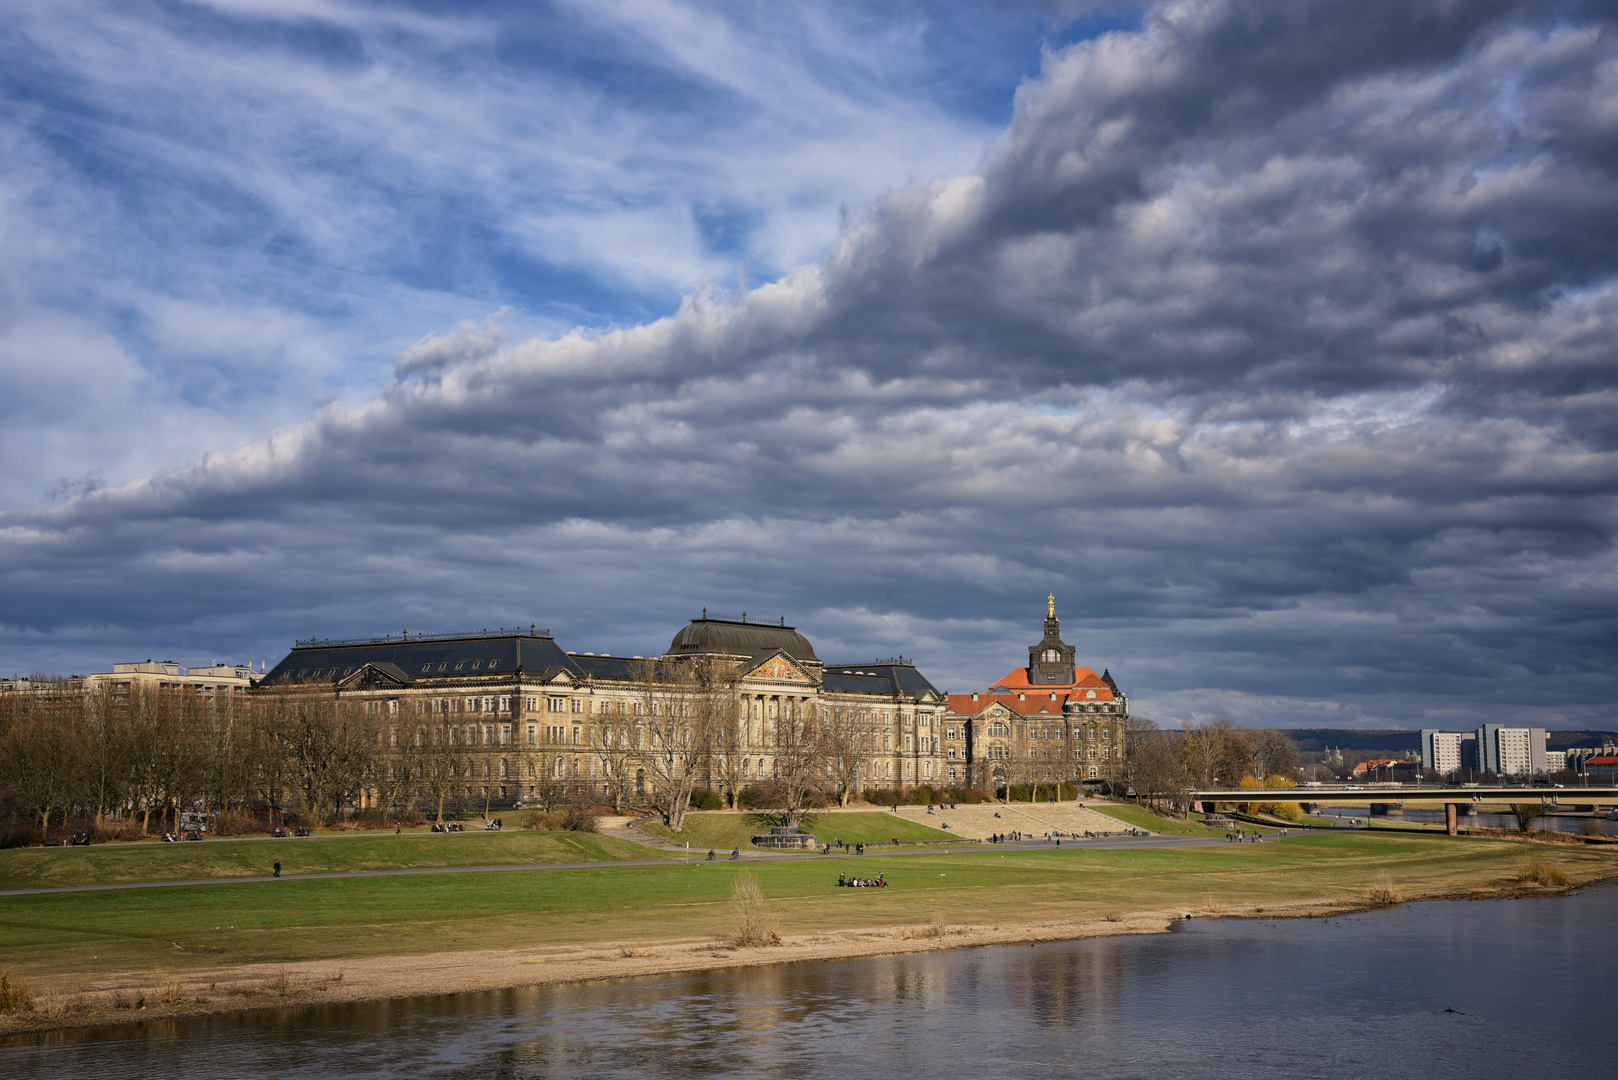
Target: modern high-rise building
pixel 1447 752
pixel 1495 748
pixel 1511 751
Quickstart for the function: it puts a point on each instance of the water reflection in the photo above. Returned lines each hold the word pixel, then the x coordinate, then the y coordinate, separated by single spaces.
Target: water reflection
pixel 1554 823
pixel 1354 996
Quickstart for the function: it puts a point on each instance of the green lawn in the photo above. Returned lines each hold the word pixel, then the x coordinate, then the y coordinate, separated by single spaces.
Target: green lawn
pixel 1142 818
pixel 723 831
pixel 27 868
pixel 201 927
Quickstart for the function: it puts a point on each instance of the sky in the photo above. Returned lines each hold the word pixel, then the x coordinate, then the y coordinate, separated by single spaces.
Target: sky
pixel 1277 340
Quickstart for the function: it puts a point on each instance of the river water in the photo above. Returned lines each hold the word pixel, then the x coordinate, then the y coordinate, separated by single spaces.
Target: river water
pixel 1363 996
pixel 1553 823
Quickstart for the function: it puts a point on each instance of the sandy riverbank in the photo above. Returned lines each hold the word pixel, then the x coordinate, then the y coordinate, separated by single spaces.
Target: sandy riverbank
pixel 137 997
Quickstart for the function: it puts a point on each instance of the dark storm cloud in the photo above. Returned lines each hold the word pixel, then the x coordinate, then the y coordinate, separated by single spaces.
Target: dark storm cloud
pixel 1276 339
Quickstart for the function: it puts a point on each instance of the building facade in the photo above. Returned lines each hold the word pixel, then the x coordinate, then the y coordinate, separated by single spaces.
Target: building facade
pixel 526 711
pixel 216 678
pixel 1495 748
pixel 1050 721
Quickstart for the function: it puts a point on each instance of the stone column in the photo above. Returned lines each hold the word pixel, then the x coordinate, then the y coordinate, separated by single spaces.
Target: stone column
pixel 1450 811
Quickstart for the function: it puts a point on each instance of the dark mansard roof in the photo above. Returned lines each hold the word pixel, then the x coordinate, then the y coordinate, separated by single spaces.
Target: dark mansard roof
pixel 410 660
pixel 886 678
pixel 736 638
pixel 422 658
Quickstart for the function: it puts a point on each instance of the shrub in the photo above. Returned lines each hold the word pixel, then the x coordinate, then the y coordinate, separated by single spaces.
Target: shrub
pixel 15 994
pixel 578 819
pixel 1592 827
pixel 765 796
pixel 1525 813
pixel 1383 894
pixel 706 800
pixel 119 829
pixel 922 796
pixel 20 836
pixel 544 821
pixel 754 926
pixel 1539 873
pixel 238 823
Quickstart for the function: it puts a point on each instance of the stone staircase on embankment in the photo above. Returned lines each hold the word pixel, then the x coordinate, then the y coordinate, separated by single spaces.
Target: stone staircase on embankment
pixel 978 821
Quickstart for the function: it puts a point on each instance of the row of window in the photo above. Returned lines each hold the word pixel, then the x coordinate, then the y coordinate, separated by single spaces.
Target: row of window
pixel 1001 753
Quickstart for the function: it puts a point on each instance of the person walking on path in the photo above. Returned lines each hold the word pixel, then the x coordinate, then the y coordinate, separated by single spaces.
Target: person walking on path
pixel 278 869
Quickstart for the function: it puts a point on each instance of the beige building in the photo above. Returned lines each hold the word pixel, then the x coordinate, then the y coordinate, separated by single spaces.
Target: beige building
pixel 216 678
pixel 525 710
pixel 1050 721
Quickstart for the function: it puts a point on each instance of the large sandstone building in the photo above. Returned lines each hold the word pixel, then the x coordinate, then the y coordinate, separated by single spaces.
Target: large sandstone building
pixel 1050 721
pixel 525 711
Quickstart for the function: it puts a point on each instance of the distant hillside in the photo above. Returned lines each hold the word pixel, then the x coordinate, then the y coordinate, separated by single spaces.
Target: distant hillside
pixel 1314 740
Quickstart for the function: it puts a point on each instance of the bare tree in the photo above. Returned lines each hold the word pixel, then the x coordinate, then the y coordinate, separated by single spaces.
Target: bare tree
pixel 226 759
pixel 106 754
pixel 681 705
pixel 40 757
pixel 1157 765
pixel 843 753
pixel 399 770
pixel 171 754
pixel 1217 751
pixel 1274 753
pixel 796 744
pixel 442 756
pixel 615 741
pixel 271 770
pixel 727 750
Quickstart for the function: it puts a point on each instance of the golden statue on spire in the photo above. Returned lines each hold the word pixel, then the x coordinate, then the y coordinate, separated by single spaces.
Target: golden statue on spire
pixel 1050 602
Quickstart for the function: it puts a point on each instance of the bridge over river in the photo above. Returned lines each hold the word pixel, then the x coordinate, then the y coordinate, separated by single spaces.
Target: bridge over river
pixel 1452 796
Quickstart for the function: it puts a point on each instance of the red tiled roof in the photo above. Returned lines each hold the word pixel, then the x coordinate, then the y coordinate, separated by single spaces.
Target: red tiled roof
pixel 1083 679
pixel 1602 759
pixel 1035 704
pixel 1365 765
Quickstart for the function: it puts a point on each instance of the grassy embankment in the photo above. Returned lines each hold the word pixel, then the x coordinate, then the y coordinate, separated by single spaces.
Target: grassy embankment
pixel 1142 818
pixel 723 831
pixel 71 939
pixel 31 868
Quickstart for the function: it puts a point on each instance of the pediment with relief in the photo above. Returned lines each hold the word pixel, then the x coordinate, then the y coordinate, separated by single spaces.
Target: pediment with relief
pixel 372 676
pixel 779 668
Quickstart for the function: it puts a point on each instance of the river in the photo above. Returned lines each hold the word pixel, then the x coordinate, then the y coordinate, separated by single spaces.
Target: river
pixel 1552 823
pixel 1366 995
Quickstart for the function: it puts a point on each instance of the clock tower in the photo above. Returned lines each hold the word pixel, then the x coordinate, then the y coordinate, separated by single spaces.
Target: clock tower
pixel 1050 663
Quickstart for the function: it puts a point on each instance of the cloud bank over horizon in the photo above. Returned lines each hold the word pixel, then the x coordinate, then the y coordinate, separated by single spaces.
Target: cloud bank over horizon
pixel 1276 340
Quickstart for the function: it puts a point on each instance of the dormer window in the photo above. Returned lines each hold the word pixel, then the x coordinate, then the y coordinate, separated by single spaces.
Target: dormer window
pixel 476 664
pixel 1090 693
pixel 493 664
